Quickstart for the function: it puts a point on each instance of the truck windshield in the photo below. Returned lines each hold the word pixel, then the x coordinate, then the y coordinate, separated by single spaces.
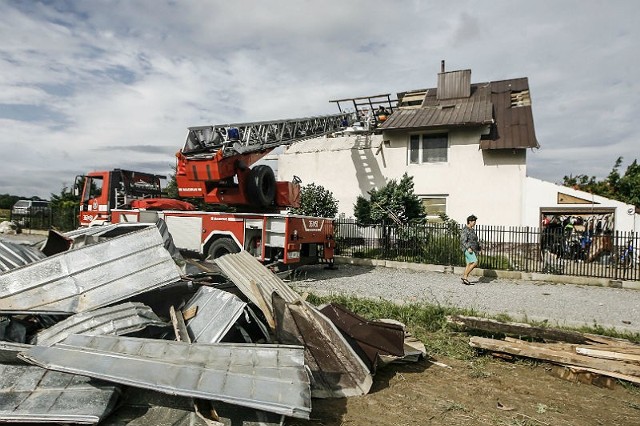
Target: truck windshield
pixel 93 187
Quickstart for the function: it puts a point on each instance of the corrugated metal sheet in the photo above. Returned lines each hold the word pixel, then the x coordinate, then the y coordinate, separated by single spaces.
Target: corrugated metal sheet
pixel 14 255
pixel 373 338
pixel 119 319
pixel 89 277
pixel 266 377
pixel 336 369
pixel 514 126
pixel 467 112
pixel 255 281
pixel 217 311
pixel 33 394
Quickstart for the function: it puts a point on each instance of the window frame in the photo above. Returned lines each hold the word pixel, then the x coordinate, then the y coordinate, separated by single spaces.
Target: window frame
pixel 417 149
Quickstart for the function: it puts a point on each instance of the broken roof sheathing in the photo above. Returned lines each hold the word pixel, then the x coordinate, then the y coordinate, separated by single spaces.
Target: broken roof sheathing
pixel 265 377
pixel 498 104
pixel 14 255
pixel 255 281
pixel 119 319
pixel 90 277
pixel 33 394
pixel 217 311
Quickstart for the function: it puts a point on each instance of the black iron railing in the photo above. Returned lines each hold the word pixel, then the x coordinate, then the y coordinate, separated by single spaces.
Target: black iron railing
pixel 526 249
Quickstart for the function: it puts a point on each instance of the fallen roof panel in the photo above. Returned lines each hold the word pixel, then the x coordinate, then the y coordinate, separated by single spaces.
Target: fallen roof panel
pixel 336 368
pixel 33 394
pixel 255 281
pixel 217 311
pixel 14 255
pixel 89 277
pixel 266 377
pixel 119 319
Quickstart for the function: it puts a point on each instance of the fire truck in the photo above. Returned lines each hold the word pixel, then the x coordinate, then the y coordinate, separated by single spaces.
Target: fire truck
pixel 217 165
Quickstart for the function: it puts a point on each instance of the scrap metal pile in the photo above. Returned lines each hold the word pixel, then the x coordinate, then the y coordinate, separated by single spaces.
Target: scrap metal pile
pixel 99 316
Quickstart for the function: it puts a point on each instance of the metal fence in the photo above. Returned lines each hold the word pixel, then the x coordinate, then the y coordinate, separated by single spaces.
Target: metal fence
pixel 61 218
pixel 525 249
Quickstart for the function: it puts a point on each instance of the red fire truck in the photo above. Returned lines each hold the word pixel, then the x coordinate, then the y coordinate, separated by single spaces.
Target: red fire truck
pixel 215 165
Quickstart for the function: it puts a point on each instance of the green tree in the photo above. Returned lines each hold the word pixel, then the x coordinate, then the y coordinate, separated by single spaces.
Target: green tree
pixel 395 201
pixel 65 199
pixel 317 201
pixel 625 188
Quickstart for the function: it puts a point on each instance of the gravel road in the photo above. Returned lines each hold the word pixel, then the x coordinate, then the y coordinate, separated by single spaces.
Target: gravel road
pixel 560 304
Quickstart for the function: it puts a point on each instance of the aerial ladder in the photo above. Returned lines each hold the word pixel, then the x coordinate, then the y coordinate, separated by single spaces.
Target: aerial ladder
pixel 215 161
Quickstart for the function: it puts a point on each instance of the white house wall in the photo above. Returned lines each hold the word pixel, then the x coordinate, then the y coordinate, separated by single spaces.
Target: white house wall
pixel 492 184
pixel 487 184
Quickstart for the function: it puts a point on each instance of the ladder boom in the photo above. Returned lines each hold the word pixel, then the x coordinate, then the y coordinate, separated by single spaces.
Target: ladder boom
pixel 244 138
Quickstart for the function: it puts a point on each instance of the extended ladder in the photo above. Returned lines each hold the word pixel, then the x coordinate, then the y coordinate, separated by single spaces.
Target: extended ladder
pixel 244 138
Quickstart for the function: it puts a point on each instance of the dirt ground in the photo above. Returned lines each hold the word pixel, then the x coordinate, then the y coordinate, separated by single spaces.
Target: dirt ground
pixel 480 392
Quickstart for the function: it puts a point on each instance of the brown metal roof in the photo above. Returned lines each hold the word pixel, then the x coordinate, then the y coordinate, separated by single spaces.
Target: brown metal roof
pixel 489 103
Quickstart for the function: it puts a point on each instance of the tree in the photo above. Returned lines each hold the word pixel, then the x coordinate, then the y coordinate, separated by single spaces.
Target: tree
pixel 625 188
pixel 395 201
pixel 317 201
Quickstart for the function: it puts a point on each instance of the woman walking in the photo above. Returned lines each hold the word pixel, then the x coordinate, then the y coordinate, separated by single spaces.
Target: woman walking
pixel 471 247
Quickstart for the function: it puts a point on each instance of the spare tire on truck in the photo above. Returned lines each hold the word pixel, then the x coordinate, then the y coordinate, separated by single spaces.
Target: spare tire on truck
pixel 222 246
pixel 261 186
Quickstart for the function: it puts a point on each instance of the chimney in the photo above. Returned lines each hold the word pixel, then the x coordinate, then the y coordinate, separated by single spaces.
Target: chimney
pixel 453 84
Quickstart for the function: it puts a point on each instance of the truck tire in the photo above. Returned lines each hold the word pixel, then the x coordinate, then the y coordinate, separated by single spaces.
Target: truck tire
pixel 261 186
pixel 222 246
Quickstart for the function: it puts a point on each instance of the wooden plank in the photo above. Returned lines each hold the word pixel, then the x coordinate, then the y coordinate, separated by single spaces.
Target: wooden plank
pixel 179 327
pixel 581 375
pixel 618 356
pixel 555 356
pixel 518 329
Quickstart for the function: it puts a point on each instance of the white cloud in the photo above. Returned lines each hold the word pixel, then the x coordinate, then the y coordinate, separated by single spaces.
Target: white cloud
pixel 89 85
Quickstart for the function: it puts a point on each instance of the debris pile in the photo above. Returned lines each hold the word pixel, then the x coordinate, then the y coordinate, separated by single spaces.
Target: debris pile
pixel 96 312
pixel 584 357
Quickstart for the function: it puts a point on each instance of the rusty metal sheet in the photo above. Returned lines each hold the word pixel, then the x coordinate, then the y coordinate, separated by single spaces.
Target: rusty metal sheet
pixel 373 338
pixel 33 394
pixel 265 377
pixel 336 369
pixel 14 255
pixel 89 277
pixel 119 319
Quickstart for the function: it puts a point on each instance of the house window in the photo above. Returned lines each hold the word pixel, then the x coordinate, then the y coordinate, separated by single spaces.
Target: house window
pixel 428 148
pixel 434 207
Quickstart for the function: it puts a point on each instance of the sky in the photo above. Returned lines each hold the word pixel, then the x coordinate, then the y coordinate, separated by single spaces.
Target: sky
pixel 104 84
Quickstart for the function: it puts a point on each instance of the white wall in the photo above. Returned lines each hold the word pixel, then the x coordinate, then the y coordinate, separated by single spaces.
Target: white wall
pixel 487 184
pixel 544 195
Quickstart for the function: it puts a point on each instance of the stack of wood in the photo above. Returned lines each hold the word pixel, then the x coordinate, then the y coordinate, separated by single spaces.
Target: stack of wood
pixel 584 357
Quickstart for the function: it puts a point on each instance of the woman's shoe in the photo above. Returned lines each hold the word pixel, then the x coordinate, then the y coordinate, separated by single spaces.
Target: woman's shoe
pixel 465 281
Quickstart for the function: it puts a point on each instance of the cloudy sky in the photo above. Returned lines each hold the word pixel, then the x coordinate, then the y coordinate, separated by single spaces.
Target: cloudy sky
pixel 90 85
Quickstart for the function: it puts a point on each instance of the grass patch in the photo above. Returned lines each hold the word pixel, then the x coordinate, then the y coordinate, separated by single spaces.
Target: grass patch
pixel 5 214
pixel 428 323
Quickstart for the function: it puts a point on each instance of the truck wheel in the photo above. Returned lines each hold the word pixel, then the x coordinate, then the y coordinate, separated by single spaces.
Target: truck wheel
pixel 261 186
pixel 222 246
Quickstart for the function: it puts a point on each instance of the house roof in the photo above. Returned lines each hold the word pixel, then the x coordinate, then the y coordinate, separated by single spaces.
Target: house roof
pixel 504 105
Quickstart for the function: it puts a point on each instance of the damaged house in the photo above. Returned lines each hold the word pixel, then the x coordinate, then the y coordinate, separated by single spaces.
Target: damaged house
pixel 466 146
pixel 113 317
